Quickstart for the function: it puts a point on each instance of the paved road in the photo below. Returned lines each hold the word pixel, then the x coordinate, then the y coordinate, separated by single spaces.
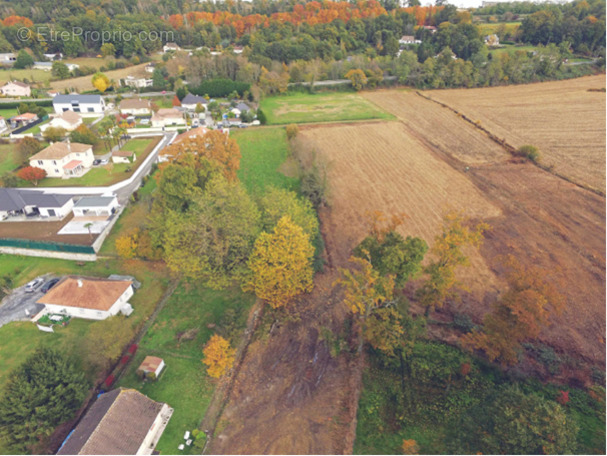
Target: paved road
pixel 13 307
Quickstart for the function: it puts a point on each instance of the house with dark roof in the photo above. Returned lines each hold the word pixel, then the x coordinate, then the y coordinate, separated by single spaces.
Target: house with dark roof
pixel 123 421
pixel 96 206
pixel 15 202
pixel 190 101
pixel 92 104
pixel 90 298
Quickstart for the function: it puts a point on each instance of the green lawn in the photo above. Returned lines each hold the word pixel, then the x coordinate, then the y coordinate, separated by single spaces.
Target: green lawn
pixel 100 176
pixel 184 385
pixel 513 48
pixel 8 158
pixel 320 107
pixel 29 74
pixel 263 151
pixel 8 113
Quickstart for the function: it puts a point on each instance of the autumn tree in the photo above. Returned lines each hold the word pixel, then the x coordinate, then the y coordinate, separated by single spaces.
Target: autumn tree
pixel 126 245
pixel 281 264
pixel 84 135
pixel 211 242
pixel 410 447
pixel 219 356
pixel 358 78
pixel 278 202
pixel 101 82
pixel 448 255
pixel 214 146
pixel 272 82
pixel 32 174
pixel 519 315
pixel 26 147
pixel 176 102
pixel 54 134
pixel 367 293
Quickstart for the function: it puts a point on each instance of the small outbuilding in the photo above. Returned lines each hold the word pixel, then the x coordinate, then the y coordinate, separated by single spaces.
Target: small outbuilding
pixel 151 367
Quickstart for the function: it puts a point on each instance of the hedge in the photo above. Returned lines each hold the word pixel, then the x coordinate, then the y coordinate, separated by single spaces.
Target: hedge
pixel 220 88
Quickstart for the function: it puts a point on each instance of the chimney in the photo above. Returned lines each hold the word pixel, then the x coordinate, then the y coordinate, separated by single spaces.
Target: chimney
pixel 79 283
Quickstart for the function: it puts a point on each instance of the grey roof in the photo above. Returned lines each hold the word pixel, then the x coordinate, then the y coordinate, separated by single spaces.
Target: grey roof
pixel 242 107
pixel 117 423
pixel 79 98
pixel 13 199
pixel 94 201
pixel 193 99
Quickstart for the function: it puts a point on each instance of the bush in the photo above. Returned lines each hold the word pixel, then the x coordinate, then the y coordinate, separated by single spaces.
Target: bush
pixel 221 88
pixel 261 117
pixel 530 152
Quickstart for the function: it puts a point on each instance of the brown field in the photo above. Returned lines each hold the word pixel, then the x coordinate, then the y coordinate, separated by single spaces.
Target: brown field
pixel 44 232
pixel 562 118
pixel 438 127
pixel 85 82
pixel 539 217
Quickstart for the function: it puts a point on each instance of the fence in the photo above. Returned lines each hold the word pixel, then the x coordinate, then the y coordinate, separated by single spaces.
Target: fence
pixel 49 246
pixel 16 131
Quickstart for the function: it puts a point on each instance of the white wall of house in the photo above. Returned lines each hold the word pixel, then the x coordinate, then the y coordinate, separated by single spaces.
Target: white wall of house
pixel 92 314
pixel 156 430
pixel 54 168
pixel 167 121
pixel 96 211
pixel 14 90
pixel 61 123
pixel 82 108
pixel 59 212
pixel 136 111
pixel 120 159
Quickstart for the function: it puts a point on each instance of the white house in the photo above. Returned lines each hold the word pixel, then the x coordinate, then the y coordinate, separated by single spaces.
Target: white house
pixel 166 117
pixel 170 47
pixel 137 83
pixel 3 124
pixel 122 421
pixel 68 120
pixel 64 159
pixel 151 365
pixel 53 57
pixel 409 39
pixel 16 89
pixel 14 201
pixel 79 103
pixel 95 206
pixel 90 298
pixel 135 107
pixel 150 67
pixel 8 58
pixel 190 101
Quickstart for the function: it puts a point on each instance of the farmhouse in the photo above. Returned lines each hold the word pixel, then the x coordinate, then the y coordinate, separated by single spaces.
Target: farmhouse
pixel 170 47
pixel 16 89
pixel 166 117
pixel 68 120
pixel 123 421
pixel 64 159
pixel 15 202
pixel 95 206
pixel 79 103
pixel 409 39
pixel 124 156
pixel 135 107
pixel 90 298
pixel 190 101
pixel 151 365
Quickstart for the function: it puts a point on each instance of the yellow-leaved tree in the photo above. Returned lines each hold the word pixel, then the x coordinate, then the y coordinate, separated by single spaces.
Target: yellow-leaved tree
pixel 101 82
pixel 281 264
pixel 126 245
pixel 219 356
pixel 358 78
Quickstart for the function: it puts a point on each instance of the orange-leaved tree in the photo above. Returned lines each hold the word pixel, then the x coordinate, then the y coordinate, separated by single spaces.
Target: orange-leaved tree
pixel 519 315
pixel 219 356
pixel 448 255
pixel 32 174
pixel 358 78
pixel 281 264
pixel 214 146
pixel 410 447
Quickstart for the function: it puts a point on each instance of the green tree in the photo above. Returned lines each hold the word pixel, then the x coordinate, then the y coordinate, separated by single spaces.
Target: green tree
pixel 358 78
pixel 108 50
pixel 158 81
pixel 27 147
pixel 54 134
pixel 213 240
pixel 84 135
pixel 60 70
pixel 276 203
pixel 281 264
pixel 24 60
pixel 42 393
pixel 528 424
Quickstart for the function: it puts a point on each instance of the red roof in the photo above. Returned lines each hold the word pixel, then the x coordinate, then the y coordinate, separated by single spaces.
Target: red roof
pixel 73 164
pixel 26 116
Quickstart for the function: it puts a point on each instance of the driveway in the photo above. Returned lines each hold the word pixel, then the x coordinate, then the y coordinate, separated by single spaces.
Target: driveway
pixel 14 306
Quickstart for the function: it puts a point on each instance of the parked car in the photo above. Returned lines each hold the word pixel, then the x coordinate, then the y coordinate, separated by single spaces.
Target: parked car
pixel 48 285
pixel 33 285
pixel 96 162
pixel 243 125
pixel 105 161
pixel 144 122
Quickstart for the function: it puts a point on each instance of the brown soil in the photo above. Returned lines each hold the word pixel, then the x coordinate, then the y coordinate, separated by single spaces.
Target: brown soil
pixel 44 231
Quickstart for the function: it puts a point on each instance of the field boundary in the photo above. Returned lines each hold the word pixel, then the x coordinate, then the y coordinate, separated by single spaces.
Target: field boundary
pixel 509 147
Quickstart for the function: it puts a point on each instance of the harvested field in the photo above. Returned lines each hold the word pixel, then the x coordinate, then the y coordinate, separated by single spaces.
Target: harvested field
pixel 84 83
pixel 563 119
pixel 380 167
pixel 438 127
